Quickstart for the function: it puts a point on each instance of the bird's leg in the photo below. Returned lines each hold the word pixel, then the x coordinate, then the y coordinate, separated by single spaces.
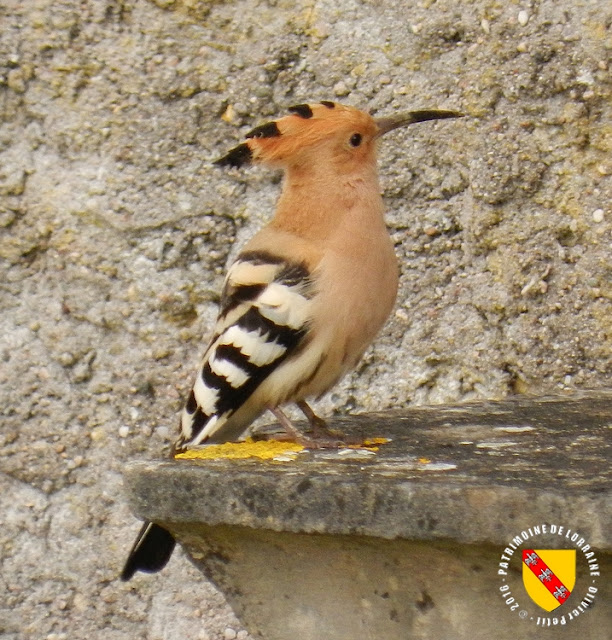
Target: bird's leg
pixel 290 430
pixel 325 441
pixel 318 426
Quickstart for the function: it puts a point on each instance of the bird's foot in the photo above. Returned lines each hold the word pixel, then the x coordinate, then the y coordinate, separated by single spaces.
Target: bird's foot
pixel 318 427
pixel 320 436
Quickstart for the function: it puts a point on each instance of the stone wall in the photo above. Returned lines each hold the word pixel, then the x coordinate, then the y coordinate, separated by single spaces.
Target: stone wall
pixel 115 231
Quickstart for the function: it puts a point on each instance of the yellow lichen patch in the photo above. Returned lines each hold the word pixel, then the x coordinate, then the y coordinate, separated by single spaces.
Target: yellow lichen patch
pixel 243 451
pixel 424 460
pixel 371 444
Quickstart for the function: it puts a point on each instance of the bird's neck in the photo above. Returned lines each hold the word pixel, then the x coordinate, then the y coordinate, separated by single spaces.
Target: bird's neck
pixel 316 203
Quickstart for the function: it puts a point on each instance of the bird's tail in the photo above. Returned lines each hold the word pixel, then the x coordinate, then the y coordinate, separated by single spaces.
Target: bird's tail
pixel 151 551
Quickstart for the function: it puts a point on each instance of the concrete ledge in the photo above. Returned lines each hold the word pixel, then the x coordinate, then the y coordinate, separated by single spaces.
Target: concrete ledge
pixel 408 539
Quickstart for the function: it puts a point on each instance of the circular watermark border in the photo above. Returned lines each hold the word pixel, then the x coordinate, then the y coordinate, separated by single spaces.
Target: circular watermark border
pixel 515 596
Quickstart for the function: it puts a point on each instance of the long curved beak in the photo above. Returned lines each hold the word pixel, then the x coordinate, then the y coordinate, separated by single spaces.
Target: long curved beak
pixel 410 117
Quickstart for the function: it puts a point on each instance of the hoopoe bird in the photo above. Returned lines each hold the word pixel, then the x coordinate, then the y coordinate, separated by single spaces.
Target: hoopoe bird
pixel 307 294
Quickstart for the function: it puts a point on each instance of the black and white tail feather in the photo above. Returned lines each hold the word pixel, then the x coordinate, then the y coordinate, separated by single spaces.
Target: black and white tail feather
pixel 262 323
pixel 151 551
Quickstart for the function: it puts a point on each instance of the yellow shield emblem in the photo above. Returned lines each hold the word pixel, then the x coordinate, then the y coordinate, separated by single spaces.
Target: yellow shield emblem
pixel 549 575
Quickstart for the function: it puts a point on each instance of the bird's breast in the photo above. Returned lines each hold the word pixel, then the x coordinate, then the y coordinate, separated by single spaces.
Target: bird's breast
pixel 356 292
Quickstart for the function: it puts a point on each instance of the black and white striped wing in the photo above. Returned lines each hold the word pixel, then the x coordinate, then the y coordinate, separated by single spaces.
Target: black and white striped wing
pixel 263 320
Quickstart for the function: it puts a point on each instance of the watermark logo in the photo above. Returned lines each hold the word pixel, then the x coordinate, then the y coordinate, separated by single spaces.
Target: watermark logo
pixel 549 575
pixel 561 581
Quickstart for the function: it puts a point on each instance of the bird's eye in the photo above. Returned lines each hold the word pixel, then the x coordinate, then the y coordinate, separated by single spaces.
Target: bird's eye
pixel 355 140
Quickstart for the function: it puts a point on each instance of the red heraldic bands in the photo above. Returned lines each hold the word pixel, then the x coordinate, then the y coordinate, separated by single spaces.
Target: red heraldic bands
pixel 542 571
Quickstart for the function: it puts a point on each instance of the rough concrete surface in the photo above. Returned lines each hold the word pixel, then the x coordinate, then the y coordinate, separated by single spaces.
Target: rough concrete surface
pixel 307 548
pixel 361 587
pixel 115 232
pixel 470 473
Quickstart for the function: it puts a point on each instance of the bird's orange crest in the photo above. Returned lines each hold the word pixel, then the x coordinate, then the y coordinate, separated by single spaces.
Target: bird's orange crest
pixel 282 140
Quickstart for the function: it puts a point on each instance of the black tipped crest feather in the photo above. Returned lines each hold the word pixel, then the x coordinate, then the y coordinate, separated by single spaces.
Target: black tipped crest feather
pixel 267 130
pixel 302 110
pixel 236 157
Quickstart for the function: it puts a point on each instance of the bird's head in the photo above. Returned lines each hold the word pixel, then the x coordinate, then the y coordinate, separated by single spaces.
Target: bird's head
pixel 321 134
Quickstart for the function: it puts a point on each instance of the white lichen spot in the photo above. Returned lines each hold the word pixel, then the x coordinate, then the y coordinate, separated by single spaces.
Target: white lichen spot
pixel 356 453
pixel 439 466
pixel 495 445
pixel 514 429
